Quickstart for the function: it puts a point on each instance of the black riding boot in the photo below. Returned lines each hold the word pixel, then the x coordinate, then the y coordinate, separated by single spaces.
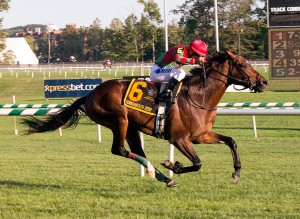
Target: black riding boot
pixel 166 94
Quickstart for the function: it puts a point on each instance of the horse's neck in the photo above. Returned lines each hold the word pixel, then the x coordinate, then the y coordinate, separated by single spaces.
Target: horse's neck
pixel 217 84
pixel 208 95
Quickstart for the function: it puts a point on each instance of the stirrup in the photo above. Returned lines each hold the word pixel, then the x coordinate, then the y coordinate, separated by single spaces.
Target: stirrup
pixel 165 96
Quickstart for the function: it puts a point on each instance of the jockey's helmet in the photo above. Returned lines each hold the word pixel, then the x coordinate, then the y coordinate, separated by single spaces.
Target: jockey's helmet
pixel 198 47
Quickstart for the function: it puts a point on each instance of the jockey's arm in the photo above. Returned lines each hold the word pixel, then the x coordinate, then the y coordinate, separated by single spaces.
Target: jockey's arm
pixel 181 59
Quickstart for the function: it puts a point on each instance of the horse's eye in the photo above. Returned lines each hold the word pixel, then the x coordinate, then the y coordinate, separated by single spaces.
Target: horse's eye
pixel 243 65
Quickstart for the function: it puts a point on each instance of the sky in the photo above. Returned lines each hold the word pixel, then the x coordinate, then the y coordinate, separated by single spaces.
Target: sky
pixel 82 13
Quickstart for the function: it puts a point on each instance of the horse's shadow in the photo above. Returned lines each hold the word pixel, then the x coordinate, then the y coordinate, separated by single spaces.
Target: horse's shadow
pixel 105 192
pixel 28 185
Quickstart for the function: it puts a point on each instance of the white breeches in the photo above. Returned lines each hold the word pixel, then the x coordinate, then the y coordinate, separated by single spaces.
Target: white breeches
pixel 159 75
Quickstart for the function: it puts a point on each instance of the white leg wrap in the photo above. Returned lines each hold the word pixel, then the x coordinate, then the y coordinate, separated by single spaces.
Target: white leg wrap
pixel 151 170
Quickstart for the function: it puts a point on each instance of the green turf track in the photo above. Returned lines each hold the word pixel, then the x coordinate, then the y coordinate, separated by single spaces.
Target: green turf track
pixel 74 176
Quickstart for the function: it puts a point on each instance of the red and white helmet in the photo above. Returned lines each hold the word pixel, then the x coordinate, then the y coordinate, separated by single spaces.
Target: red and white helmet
pixel 199 47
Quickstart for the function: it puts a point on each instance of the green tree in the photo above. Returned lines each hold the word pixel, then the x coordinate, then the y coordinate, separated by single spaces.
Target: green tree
pixel 114 41
pixel 31 42
pixel 237 24
pixel 72 43
pixel 175 31
pixel 4 6
pixel 196 21
pixel 94 41
pixel 132 42
pixel 149 25
pixel 42 49
pixel 8 58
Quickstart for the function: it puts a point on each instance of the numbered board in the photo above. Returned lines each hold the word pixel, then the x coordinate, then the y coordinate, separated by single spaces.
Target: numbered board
pixel 284 53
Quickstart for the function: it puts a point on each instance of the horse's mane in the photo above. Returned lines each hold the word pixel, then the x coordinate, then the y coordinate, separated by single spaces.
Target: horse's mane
pixel 198 73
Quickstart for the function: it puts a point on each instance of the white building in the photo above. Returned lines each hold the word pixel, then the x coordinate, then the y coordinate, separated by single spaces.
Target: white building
pixel 22 51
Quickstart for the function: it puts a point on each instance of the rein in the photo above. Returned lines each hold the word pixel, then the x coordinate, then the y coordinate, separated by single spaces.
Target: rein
pixel 232 64
pixel 198 106
pixel 240 71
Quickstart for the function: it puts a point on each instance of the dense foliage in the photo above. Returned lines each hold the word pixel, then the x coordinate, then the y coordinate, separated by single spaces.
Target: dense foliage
pixel 8 56
pixel 242 28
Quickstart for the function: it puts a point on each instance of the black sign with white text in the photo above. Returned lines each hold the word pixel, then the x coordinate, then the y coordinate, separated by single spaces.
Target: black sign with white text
pixel 284 13
pixel 70 87
pixel 284 53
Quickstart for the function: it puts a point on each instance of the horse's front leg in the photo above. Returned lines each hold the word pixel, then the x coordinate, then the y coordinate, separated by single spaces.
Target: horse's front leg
pixel 213 138
pixel 185 147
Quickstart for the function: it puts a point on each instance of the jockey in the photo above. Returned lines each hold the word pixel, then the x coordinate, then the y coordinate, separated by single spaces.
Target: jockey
pixel 168 66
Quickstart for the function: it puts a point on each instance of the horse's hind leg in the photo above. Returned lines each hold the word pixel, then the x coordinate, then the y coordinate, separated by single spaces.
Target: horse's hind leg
pixel 212 138
pixel 134 141
pixel 137 154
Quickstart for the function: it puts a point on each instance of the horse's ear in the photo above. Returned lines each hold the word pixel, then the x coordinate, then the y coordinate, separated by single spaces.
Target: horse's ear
pixel 231 54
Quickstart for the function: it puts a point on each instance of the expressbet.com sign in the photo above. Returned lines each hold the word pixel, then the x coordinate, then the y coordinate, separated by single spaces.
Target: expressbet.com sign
pixel 69 87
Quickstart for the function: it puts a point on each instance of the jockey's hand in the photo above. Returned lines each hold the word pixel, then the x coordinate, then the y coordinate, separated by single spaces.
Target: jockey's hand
pixel 201 60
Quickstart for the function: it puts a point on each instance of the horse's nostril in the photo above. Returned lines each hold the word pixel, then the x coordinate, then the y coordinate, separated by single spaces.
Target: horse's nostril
pixel 264 82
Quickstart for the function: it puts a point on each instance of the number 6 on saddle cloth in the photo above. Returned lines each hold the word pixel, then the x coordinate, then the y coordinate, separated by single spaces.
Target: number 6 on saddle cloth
pixel 141 95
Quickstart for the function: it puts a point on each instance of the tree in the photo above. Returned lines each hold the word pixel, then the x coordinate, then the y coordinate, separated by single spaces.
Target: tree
pixel 114 41
pixel 196 21
pixel 132 42
pixel 94 41
pixel 4 6
pixel 31 42
pixel 8 58
pixel 149 23
pixel 237 24
pixel 72 43
pixel 175 32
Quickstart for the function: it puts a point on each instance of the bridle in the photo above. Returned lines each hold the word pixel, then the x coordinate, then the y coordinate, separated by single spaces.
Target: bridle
pixel 245 81
pixel 200 106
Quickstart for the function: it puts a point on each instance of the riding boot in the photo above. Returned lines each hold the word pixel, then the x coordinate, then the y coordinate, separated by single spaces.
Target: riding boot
pixel 166 94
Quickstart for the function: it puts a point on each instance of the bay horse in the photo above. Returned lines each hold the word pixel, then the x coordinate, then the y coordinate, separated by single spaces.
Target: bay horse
pixel 189 120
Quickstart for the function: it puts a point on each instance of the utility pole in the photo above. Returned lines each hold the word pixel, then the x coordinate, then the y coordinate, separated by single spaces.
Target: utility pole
pixel 49 47
pixel 216 26
pixel 166 26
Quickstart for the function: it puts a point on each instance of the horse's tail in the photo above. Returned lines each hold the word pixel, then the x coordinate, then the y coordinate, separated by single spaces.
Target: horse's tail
pixel 66 117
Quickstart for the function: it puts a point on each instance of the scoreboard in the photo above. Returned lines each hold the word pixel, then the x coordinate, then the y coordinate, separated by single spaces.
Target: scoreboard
pixel 284 38
pixel 284 53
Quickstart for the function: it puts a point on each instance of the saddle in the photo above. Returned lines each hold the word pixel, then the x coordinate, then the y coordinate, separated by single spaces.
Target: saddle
pixel 142 96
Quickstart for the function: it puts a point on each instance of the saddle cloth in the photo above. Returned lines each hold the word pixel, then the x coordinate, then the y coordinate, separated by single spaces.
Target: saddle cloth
pixel 141 96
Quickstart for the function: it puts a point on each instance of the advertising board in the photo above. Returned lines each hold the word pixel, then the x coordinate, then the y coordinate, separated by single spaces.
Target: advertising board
pixel 70 87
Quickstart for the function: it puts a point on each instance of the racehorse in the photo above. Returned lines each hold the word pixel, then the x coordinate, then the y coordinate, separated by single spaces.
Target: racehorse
pixel 189 119
pixel 107 63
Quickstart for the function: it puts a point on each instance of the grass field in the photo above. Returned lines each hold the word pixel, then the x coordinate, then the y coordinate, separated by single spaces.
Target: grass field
pixel 74 176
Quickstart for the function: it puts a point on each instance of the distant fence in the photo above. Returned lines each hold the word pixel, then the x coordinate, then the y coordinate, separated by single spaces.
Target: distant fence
pixel 97 69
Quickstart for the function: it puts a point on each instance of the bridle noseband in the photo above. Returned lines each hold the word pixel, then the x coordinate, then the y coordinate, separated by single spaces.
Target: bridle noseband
pixel 245 81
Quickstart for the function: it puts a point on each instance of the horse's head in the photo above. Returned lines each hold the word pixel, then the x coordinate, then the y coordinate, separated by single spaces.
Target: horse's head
pixel 240 72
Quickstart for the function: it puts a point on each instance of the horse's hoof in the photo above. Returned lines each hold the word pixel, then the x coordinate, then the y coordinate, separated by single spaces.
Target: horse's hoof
pixel 236 177
pixel 178 164
pixel 167 164
pixel 172 184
